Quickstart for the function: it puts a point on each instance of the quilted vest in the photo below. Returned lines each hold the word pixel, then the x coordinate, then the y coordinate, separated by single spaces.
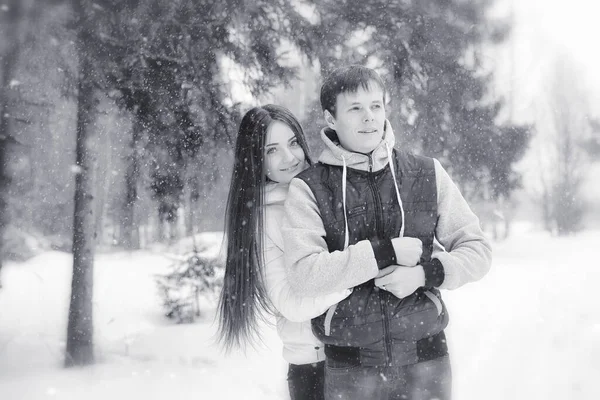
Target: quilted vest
pixel 386 330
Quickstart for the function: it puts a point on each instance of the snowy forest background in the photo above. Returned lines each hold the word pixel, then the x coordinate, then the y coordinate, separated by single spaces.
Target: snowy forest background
pixel 118 120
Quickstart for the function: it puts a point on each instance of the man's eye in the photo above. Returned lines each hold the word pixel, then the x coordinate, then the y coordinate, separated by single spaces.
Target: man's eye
pixel 377 106
pixel 355 109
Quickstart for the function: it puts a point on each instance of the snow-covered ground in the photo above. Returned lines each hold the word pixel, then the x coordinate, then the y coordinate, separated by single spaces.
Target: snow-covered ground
pixel 529 330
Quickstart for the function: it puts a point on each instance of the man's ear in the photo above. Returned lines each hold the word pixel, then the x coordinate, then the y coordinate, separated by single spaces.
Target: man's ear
pixel 329 119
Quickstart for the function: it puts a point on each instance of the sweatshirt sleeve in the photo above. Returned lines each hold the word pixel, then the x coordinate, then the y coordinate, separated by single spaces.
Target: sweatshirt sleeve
pixel 293 307
pixel 468 254
pixel 312 270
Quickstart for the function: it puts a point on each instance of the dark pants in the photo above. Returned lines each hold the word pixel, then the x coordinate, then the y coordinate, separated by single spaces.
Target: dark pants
pixel 306 382
pixel 426 380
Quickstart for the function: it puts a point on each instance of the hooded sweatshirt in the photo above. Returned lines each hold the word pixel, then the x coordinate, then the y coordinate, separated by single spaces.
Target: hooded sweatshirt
pixel 313 270
pixel 300 346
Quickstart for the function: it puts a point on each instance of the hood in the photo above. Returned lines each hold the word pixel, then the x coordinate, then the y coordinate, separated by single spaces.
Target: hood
pixel 335 154
pixel 275 193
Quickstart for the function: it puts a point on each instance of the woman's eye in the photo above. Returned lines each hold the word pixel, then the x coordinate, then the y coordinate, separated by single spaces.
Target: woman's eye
pixel 377 106
pixel 294 142
pixel 271 150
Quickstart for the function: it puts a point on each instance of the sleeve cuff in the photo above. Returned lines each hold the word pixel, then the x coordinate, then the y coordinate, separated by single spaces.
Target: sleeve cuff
pixel 384 252
pixel 434 273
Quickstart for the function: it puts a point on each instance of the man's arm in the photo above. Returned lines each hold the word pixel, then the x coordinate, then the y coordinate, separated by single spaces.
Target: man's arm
pixel 312 270
pixel 468 254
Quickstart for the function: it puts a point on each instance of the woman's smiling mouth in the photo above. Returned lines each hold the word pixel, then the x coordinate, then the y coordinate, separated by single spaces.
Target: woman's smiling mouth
pixel 290 168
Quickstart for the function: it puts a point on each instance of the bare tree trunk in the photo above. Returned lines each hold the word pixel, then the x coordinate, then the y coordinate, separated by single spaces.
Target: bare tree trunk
pixel 568 125
pixel 102 170
pixel 191 197
pixel 8 60
pixel 130 237
pixel 188 208
pixel 80 345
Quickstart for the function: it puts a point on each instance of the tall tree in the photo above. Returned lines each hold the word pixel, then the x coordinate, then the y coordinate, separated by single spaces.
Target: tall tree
pixel 592 145
pixel 80 329
pixel 12 21
pixel 42 121
pixel 563 130
pixel 130 234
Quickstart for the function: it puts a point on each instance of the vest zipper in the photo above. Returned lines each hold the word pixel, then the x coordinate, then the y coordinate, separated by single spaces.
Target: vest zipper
pixel 379 230
pixel 373 186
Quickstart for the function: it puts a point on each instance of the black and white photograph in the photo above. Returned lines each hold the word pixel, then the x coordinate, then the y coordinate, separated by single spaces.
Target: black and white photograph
pixel 299 199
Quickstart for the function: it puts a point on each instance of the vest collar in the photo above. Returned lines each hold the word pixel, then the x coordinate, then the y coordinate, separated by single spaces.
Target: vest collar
pixel 335 154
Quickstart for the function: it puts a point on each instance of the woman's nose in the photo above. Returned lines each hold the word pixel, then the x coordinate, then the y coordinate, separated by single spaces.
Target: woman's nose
pixel 288 155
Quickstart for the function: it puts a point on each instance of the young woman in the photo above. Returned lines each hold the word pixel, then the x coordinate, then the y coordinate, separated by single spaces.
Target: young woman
pixel 270 150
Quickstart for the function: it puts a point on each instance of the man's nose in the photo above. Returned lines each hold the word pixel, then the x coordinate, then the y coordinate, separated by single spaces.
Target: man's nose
pixel 368 115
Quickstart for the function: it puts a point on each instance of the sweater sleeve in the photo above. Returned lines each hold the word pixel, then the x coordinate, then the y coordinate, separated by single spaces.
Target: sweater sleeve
pixel 468 254
pixel 312 270
pixel 293 307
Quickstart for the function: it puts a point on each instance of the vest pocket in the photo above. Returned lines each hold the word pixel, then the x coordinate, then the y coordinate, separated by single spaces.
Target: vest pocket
pixel 418 316
pixel 435 300
pixel 328 318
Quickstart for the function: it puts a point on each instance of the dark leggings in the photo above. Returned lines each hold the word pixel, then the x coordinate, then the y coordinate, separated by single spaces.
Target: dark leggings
pixel 306 381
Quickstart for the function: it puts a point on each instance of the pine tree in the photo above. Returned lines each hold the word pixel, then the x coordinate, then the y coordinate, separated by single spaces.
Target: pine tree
pixel 12 23
pixel 429 52
pixel 169 65
pixel 193 277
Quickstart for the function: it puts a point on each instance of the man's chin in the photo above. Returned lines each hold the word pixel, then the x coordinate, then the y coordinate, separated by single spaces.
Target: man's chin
pixel 365 147
pixel 366 151
pixel 373 146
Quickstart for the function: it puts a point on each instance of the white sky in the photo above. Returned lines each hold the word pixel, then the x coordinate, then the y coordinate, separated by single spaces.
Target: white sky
pixel 573 24
pixel 543 29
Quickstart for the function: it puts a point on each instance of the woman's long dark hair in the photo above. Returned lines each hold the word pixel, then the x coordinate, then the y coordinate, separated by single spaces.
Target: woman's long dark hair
pixel 244 297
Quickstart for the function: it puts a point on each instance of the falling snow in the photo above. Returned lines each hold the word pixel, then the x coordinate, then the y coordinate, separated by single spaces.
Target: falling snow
pixel 528 330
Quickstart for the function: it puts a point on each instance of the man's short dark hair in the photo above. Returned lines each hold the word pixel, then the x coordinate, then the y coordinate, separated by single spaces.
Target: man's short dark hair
pixel 347 79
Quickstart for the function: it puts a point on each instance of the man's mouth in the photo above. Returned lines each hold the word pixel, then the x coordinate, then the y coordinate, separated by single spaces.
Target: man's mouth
pixel 368 131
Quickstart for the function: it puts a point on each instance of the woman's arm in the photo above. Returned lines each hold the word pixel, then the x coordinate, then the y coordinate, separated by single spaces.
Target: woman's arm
pixel 293 307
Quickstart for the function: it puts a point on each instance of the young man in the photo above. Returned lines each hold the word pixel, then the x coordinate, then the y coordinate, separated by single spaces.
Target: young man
pixel 373 215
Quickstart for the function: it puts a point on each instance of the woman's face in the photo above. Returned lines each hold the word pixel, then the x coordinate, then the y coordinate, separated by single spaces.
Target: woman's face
pixel 284 157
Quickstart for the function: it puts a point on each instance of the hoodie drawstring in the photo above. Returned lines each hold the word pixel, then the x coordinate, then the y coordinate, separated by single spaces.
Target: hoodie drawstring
pixel 391 162
pixel 347 233
pixel 331 310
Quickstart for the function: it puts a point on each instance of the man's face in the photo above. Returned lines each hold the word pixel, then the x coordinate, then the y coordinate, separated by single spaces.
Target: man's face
pixel 360 119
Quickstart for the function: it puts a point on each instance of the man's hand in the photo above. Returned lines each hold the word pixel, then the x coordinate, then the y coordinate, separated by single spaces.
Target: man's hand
pixel 399 280
pixel 408 250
